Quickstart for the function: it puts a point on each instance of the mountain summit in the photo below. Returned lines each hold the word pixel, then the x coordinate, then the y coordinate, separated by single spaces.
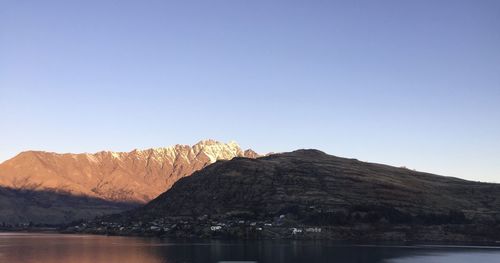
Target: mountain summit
pixel 137 176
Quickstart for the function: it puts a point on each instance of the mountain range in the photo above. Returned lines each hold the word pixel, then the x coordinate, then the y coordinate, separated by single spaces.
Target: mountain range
pixel 214 189
pixel 53 188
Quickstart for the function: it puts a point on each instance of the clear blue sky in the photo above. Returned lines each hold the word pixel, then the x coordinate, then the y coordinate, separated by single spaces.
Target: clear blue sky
pixel 413 83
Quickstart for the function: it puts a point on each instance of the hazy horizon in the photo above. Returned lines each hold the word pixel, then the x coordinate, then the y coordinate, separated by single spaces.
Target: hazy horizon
pixel 412 84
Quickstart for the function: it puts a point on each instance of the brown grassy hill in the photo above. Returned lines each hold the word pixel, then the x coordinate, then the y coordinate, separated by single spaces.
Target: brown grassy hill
pixel 297 180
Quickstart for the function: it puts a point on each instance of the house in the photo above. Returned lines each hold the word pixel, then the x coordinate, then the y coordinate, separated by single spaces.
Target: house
pixel 215 228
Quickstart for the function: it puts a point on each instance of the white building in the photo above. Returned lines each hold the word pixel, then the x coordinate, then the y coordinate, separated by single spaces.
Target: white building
pixel 215 228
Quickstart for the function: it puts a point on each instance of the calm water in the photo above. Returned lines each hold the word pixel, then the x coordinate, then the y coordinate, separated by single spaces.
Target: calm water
pixel 42 248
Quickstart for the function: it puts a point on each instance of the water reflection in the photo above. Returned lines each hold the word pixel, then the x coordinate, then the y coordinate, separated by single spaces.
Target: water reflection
pixel 96 249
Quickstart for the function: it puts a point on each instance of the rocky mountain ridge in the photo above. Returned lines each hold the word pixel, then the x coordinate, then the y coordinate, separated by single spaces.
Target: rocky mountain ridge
pixel 131 177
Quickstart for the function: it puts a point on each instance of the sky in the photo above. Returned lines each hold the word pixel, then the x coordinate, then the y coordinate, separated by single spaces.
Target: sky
pixel 405 83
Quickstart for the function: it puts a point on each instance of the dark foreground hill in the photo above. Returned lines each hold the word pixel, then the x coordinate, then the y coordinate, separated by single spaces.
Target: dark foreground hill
pixel 307 193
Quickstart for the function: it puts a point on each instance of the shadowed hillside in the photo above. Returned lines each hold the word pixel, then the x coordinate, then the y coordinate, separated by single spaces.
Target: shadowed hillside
pixel 38 208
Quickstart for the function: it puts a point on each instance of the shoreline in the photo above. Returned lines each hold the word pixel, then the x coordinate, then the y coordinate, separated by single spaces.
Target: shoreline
pixel 331 242
pixel 339 242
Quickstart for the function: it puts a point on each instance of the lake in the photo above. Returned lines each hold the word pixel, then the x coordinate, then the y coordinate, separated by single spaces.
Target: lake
pixel 43 248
